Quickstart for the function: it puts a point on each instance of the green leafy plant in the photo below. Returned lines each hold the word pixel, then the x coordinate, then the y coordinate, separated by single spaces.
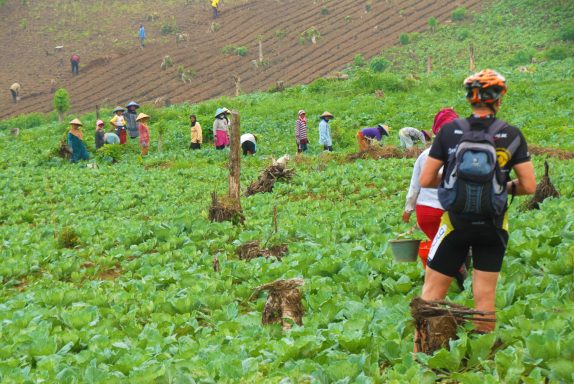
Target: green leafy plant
pixel 169 27
pixel 433 24
pixel 379 64
pixel 567 32
pixel 404 38
pixel 359 60
pixel 61 102
pixel 459 14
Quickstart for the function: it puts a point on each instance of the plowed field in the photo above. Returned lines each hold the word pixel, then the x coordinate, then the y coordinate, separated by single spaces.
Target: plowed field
pixel 114 69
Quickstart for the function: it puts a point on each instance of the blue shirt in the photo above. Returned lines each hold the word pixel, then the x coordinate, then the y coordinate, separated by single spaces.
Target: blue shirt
pixel 142 32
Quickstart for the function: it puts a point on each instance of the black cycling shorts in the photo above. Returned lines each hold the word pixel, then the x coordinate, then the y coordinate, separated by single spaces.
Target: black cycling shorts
pixel 248 147
pixel 452 243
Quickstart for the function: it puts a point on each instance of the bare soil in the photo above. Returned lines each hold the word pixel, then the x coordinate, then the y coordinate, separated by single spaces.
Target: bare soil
pixel 114 70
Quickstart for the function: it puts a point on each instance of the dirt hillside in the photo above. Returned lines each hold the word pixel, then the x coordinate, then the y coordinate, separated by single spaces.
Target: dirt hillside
pixel 114 69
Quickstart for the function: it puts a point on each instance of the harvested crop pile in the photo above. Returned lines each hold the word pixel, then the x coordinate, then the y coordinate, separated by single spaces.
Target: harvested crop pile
pixel 223 210
pixel 252 249
pixel 561 154
pixel 544 190
pixel 437 321
pixel 268 178
pixel 283 304
pixel 377 152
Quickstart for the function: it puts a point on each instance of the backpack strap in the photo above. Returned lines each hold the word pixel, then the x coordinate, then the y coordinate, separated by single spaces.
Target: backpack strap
pixel 463 124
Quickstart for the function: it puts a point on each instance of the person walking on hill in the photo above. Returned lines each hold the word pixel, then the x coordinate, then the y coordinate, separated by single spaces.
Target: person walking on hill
pixel 478 153
pixel 424 201
pixel 75 61
pixel 221 128
pixel 301 132
pixel 196 133
pixel 143 128
pixel 100 133
pixel 15 92
pixel 119 122
pixel 141 36
pixel 130 116
pixel 76 142
pixel 367 136
pixel 325 131
pixel 214 6
pixel 409 135
pixel 248 143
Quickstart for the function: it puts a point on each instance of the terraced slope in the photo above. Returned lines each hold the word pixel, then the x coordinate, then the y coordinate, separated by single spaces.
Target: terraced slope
pixel 114 70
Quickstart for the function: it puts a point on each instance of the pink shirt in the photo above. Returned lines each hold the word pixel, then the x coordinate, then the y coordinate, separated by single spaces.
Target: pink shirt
pixel 144 134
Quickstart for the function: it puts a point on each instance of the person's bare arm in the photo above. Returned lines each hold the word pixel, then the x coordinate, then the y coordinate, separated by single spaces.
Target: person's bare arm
pixel 430 176
pixel 526 179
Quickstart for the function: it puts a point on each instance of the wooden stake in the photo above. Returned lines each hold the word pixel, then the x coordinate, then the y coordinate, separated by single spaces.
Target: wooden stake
pixel 235 160
pixel 97 112
pixel 237 80
pixel 260 51
pixel 471 51
pixel 429 64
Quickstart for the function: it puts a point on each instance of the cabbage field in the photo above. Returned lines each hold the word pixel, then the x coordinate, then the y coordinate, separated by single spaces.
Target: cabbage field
pixel 108 274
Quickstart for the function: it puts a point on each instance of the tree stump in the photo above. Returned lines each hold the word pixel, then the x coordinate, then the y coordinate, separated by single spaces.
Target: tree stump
pixel 283 304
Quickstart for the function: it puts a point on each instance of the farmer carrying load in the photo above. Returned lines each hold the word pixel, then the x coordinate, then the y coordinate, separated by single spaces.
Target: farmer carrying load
pixel 367 136
pixel 424 201
pixel 76 142
pixel 119 122
pixel 478 153
pixel 409 135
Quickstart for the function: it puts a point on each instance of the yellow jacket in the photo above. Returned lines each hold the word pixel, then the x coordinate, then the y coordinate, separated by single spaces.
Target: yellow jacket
pixel 196 134
pixel 214 3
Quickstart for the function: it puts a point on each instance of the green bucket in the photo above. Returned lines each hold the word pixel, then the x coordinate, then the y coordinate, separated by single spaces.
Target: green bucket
pixel 405 250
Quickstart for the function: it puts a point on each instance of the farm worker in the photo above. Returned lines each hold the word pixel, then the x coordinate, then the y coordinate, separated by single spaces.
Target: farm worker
pixel 76 142
pixel 75 61
pixel 214 5
pixel 119 122
pixel 111 138
pixel 248 143
pixel 368 135
pixel 487 235
pixel 424 201
pixel 301 132
pixel 130 117
pixel 409 135
pixel 325 131
pixel 142 120
pixel 15 92
pixel 99 134
pixel 141 35
pixel 221 128
pixel 196 133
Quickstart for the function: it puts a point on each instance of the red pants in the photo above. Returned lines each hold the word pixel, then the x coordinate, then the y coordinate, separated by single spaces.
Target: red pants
pixel 428 219
pixel 123 136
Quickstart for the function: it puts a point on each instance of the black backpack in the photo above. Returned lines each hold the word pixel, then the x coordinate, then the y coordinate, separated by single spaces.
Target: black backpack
pixel 474 184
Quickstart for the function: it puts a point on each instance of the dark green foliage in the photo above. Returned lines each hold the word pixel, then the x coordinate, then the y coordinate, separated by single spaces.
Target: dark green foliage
pixel 522 57
pixel 379 64
pixel 404 38
pixel 558 52
pixel 433 24
pixel 567 32
pixel 459 14
pixel 68 238
pixel 359 60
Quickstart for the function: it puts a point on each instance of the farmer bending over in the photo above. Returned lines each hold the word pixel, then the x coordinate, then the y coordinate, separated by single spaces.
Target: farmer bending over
pixel 367 136
pixel 410 135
